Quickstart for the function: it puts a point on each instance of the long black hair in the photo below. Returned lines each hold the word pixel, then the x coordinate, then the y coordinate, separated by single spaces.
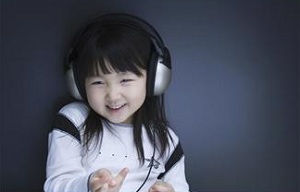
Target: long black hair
pixel 125 49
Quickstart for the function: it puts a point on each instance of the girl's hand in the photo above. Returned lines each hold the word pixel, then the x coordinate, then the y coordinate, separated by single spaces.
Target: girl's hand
pixel 103 181
pixel 160 186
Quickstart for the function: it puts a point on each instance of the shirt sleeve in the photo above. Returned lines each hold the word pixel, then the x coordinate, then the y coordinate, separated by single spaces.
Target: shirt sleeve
pixel 176 177
pixel 64 170
pixel 176 174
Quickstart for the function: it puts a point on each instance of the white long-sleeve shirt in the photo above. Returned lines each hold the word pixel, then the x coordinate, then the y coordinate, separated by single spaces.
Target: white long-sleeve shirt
pixel 69 164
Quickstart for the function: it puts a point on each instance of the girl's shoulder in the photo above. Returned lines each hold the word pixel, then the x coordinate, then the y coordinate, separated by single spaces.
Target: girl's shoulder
pixel 70 120
pixel 76 112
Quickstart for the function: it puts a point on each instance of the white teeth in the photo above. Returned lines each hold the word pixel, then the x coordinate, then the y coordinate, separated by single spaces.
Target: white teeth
pixel 115 106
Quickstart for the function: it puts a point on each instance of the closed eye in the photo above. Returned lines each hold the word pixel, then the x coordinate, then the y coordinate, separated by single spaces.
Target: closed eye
pixel 97 83
pixel 126 80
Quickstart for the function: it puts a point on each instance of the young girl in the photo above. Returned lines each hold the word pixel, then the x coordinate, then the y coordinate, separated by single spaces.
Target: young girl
pixel 117 138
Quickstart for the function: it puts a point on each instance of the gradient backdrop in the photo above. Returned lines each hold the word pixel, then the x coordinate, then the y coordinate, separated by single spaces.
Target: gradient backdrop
pixel 234 98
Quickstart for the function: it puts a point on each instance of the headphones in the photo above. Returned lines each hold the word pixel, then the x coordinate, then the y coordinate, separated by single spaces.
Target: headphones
pixel 158 68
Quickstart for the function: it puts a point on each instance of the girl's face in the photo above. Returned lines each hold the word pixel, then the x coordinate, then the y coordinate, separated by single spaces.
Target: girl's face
pixel 116 96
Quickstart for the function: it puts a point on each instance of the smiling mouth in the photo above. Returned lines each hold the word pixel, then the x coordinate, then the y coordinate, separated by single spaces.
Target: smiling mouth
pixel 115 107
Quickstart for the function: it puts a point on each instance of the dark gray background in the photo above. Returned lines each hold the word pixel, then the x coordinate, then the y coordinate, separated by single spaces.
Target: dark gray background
pixel 234 98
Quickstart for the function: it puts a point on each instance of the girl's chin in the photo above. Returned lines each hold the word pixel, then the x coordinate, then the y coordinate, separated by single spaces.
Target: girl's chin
pixel 120 121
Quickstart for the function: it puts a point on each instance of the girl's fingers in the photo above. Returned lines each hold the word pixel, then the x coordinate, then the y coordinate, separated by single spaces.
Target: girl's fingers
pixel 118 180
pixel 122 174
pixel 160 186
pixel 99 179
pixel 104 188
pixel 102 180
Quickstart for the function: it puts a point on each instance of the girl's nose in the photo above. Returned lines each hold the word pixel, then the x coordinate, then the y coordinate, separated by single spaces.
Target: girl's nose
pixel 113 92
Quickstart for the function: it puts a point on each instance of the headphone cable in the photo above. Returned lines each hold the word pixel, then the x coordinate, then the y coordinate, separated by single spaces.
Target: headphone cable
pixel 151 165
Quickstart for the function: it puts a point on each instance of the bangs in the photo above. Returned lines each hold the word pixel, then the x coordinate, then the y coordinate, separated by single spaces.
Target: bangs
pixel 117 52
pixel 103 65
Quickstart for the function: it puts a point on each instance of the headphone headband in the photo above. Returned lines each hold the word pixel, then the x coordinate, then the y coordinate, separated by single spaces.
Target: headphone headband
pixel 129 21
pixel 133 22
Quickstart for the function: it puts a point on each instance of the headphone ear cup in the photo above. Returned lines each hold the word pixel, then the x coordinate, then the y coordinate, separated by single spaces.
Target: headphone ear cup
pixel 163 77
pixel 151 73
pixel 159 75
pixel 71 84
